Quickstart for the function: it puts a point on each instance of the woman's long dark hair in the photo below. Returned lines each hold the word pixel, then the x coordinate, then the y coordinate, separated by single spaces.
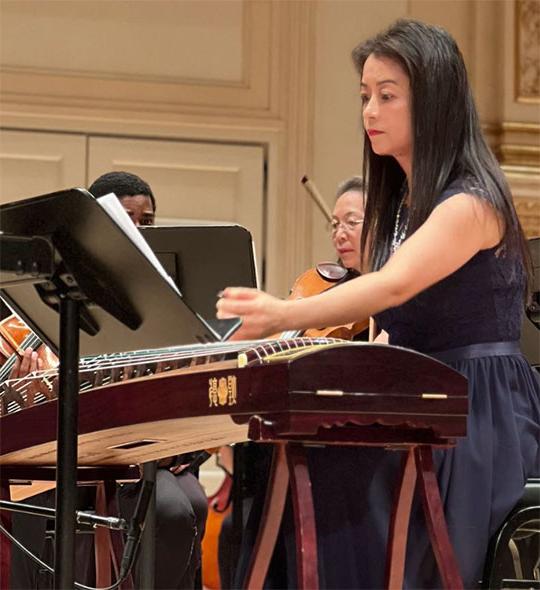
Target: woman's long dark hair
pixel 447 140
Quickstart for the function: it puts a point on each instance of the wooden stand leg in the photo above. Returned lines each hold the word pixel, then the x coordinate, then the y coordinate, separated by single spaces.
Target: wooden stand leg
pixel 435 521
pixel 274 504
pixel 304 518
pixel 5 543
pixel 396 548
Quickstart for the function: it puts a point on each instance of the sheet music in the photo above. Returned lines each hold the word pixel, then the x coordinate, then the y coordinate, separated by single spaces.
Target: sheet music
pixel 118 214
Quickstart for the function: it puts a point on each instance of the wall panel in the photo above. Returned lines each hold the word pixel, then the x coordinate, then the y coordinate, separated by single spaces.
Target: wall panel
pixel 163 55
pixel 34 163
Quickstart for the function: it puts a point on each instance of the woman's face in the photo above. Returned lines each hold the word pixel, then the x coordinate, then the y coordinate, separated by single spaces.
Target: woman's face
pixel 347 221
pixel 386 111
pixel 139 208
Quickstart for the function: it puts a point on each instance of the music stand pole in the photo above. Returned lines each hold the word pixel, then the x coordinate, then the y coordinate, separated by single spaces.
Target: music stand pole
pixel 67 428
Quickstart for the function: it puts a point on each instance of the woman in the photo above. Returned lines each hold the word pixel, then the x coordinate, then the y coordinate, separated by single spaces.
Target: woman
pixel 346 229
pixel 449 272
pixel 181 504
pixel 347 221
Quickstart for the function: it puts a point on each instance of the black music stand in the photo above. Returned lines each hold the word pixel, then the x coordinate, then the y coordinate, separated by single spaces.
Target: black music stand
pixel 109 298
pixel 203 260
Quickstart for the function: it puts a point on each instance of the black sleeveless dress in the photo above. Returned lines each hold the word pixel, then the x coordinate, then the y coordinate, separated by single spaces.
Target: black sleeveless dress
pixel 471 320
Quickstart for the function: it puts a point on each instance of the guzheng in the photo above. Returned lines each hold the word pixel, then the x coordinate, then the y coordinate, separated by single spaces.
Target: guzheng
pixel 149 407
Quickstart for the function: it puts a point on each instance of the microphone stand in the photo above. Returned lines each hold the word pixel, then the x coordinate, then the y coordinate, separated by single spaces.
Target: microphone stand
pixel 134 530
pixel 86 518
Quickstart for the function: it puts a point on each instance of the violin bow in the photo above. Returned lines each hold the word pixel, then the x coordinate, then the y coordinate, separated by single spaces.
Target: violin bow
pixel 317 197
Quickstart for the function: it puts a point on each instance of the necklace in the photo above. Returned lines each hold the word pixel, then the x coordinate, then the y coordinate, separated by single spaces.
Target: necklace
pixel 399 232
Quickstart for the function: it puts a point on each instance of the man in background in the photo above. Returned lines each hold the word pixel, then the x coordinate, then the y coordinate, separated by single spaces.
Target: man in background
pixel 181 504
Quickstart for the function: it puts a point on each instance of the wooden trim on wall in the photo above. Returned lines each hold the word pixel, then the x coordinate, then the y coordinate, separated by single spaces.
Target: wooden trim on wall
pixel 128 92
pixel 289 220
pixel 528 210
pixel 519 144
pixel 527 41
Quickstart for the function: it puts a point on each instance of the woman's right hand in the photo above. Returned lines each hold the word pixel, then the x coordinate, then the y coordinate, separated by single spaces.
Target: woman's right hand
pixel 261 314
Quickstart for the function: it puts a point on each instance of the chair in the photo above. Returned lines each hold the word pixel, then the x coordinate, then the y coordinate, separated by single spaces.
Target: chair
pixel 513 559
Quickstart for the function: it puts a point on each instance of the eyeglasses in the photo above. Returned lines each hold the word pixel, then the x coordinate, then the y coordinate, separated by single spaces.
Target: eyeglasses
pixel 348 225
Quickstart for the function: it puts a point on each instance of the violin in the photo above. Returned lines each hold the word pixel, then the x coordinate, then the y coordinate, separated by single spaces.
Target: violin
pixel 313 281
pixel 323 277
pixel 13 333
pixel 15 338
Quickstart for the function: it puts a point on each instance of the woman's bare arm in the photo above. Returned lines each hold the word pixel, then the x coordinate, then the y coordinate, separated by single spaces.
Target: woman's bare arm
pixel 454 232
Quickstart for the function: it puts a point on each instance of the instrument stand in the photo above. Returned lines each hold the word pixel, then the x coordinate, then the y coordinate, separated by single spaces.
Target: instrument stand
pixel 290 468
pixel 69 258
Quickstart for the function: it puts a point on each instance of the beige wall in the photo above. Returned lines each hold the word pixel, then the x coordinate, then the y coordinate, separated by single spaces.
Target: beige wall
pixel 271 75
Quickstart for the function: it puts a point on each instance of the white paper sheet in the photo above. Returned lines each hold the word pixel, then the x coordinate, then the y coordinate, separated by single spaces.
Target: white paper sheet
pixel 118 214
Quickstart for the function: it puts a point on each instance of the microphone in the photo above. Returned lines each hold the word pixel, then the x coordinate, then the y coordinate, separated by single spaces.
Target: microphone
pixel 136 527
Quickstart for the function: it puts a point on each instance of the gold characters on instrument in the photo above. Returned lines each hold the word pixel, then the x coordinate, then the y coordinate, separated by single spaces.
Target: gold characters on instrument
pixel 222 392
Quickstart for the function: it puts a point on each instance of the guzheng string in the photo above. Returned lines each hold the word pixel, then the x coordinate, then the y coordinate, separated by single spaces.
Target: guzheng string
pixel 101 370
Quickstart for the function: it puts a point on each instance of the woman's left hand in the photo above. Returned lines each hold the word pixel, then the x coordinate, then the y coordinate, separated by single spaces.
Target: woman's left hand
pixel 261 313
